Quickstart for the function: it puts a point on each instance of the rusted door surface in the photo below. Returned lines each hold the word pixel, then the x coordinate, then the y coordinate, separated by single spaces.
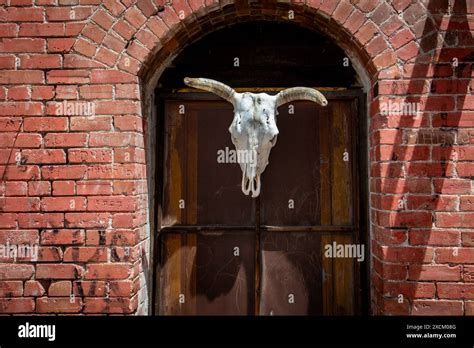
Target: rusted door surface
pixel 224 253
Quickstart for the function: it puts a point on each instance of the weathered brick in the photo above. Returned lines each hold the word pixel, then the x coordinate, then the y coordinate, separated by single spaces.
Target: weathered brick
pixel 89 288
pixel 96 92
pixel 39 188
pixel 16 271
pixel 63 204
pixel 90 156
pixel 61 288
pixel 66 92
pixel 58 305
pixel 61 45
pixel 11 288
pixel 99 123
pixel 43 156
pixel 434 272
pixel 86 254
pixel 34 288
pixel 58 271
pixel 102 18
pixel 17 305
pixel 45 124
pixel 67 13
pixel 42 92
pixel 22 45
pixel 87 220
pixel 19 204
pixel 93 187
pixel 41 29
pixel 64 188
pixel 455 291
pixel 19 14
pixel 67 76
pixel 40 220
pixel 21 77
pixel 455 255
pixel 107 271
pixel 63 172
pixel 112 305
pixel 16 188
pixel 62 237
pixel 437 307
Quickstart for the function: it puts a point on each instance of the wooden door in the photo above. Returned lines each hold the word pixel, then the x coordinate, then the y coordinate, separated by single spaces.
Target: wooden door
pixel 224 253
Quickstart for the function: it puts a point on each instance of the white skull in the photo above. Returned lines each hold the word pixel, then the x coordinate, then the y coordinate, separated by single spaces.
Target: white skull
pixel 253 129
pixel 254 133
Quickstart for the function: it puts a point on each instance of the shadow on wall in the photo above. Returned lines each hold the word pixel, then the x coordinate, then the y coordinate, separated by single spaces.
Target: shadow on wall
pixel 447 71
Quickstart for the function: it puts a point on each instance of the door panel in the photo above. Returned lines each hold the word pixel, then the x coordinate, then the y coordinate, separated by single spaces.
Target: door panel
pixel 225 253
pixel 208 273
pixel 178 274
pixel 173 177
pixel 291 274
pixel 341 164
pixel 290 183
pixel 297 279
pixel 307 179
pixel 338 278
pixel 226 273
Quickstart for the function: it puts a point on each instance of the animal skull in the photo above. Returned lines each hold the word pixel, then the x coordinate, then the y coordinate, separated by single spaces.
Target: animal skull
pixel 253 129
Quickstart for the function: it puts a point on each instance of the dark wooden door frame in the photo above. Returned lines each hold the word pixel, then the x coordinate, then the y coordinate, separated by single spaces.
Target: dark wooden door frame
pixel 360 166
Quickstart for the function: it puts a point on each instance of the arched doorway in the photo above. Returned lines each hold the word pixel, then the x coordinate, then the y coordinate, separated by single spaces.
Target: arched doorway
pixel 220 252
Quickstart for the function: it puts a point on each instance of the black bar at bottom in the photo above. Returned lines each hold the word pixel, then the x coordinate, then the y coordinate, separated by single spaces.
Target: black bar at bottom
pixel 382 331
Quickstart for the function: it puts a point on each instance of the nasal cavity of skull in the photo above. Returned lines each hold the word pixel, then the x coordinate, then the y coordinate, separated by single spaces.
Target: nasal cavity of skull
pixel 266 117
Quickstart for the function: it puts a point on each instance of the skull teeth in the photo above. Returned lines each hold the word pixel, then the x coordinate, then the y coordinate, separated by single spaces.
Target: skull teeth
pixel 256 189
pixel 246 187
pixel 250 185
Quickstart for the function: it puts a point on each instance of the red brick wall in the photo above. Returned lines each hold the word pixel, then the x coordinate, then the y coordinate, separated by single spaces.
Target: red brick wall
pixel 77 185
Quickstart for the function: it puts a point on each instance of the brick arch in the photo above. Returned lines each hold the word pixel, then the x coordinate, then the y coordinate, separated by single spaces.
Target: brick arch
pixel 138 37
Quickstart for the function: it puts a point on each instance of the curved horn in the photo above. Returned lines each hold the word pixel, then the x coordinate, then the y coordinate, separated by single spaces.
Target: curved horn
pixel 216 87
pixel 300 93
